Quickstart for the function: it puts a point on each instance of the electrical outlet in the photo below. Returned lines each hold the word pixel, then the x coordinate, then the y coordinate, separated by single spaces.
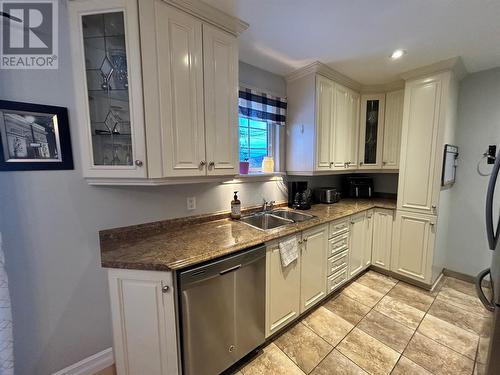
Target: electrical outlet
pixel 191 203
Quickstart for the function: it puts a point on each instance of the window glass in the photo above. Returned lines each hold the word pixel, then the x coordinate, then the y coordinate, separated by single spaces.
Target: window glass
pixel 254 141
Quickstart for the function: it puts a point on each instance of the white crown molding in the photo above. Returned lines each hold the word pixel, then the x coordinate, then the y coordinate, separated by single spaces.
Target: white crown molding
pixel 211 15
pixel 385 87
pixel 455 64
pixel 320 68
pixel 90 365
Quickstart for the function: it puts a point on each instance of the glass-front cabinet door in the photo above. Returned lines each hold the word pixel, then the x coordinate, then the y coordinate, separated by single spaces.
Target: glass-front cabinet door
pixel 371 131
pixel 105 42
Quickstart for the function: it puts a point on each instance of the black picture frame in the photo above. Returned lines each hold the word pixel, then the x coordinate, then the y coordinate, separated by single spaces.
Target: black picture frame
pixel 34 137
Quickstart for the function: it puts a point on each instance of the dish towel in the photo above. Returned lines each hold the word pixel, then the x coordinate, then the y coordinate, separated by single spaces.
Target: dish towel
pixel 6 339
pixel 289 251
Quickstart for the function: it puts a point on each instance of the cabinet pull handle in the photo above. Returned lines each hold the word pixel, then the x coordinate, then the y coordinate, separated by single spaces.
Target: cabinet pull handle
pixel 305 239
pixel 211 164
pixel 202 163
pixel 384 163
pixel 432 224
pixel 139 163
pixel 165 289
pixel 433 206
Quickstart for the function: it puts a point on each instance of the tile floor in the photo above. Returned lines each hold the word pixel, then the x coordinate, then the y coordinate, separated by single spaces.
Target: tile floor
pixel 378 325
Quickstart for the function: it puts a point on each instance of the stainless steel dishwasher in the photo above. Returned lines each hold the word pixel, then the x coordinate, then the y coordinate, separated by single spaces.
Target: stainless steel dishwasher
pixel 222 311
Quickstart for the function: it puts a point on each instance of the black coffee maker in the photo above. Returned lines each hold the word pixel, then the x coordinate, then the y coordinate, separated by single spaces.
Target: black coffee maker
pixel 299 196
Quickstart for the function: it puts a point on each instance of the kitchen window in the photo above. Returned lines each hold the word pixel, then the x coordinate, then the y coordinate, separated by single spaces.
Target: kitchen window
pixel 255 142
pixel 261 128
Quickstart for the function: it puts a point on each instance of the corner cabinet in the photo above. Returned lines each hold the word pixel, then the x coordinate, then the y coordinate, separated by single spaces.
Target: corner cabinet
pixel 144 322
pixel 322 125
pixel 160 100
pixel 371 131
pixel 360 245
pixel 382 238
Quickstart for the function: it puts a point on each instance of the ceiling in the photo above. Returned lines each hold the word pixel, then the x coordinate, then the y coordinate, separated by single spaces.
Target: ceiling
pixel 355 37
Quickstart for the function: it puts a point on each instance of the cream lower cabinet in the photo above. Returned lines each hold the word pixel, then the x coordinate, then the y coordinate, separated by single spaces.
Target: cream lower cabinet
pixel 382 238
pixel 293 289
pixel 143 316
pixel 357 244
pixel 282 290
pixel 313 266
pixel 413 245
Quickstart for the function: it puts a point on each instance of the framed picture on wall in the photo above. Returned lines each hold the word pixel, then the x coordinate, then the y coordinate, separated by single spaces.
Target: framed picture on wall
pixel 34 137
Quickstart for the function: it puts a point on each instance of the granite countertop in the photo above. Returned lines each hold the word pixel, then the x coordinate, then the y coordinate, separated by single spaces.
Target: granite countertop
pixel 178 243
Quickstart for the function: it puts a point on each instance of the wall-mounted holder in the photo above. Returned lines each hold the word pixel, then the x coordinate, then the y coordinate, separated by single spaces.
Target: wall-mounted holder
pixel 491 154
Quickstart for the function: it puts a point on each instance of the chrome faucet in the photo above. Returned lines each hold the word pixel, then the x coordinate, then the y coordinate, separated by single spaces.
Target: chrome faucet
pixel 268 206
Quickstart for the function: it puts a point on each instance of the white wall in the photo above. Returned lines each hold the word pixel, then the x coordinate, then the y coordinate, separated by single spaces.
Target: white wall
pixel 261 79
pixel 478 127
pixel 50 222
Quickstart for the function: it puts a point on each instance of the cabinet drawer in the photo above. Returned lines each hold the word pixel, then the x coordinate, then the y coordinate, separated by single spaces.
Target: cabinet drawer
pixel 336 280
pixel 337 262
pixel 338 228
pixel 338 244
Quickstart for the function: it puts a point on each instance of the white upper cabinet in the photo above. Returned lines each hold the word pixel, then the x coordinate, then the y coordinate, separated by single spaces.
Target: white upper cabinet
pixel 325 103
pixel 419 180
pixel 159 100
pixel 108 85
pixel 220 58
pixel 345 128
pixel 179 94
pixel 394 101
pixel 371 131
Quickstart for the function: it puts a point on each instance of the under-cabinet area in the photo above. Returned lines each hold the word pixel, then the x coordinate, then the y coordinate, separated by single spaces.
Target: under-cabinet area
pixel 332 247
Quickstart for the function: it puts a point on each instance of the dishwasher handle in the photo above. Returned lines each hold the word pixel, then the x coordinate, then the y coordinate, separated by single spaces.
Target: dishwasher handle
pixel 230 269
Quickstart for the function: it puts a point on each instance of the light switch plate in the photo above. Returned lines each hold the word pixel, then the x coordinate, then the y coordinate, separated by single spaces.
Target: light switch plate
pixel 191 203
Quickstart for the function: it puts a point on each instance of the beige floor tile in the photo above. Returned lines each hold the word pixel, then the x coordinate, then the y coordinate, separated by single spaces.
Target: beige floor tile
pixel 437 358
pixel 462 300
pixel 328 325
pixel 460 285
pixel 362 294
pixel 368 353
pixel 377 281
pixel 411 295
pixel 386 330
pixel 407 367
pixel 479 369
pixel 461 318
pixel 482 352
pixel 456 338
pixel 400 312
pixel 271 361
pixel 303 346
pixel 336 363
pixel 347 308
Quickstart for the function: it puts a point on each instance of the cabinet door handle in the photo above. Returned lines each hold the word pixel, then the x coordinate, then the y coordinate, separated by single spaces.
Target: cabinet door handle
pixel 433 206
pixel 384 163
pixel 305 239
pixel 211 164
pixel 139 163
pixel 165 289
pixel 202 163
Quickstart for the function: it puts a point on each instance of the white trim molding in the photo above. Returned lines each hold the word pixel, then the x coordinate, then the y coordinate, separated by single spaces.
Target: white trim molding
pixel 455 64
pixel 90 365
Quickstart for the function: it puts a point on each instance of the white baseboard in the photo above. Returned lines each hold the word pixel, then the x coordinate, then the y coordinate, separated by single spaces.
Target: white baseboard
pixel 90 365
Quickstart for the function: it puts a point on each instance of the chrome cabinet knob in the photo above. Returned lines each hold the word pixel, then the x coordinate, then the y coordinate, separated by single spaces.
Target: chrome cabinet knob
pixel 384 163
pixel 165 289
pixel 202 163
pixel 211 164
pixel 139 163
pixel 433 206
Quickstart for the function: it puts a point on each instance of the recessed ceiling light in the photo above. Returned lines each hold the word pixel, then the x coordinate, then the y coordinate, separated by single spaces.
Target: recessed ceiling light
pixel 397 54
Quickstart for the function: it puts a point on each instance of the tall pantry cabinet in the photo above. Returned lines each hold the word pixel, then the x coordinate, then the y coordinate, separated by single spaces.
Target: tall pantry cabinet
pixel 428 124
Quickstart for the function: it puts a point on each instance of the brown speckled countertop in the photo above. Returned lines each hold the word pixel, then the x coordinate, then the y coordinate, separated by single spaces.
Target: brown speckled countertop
pixel 178 243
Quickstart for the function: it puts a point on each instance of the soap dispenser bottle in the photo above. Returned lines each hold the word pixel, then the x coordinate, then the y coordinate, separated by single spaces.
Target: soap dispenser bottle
pixel 235 207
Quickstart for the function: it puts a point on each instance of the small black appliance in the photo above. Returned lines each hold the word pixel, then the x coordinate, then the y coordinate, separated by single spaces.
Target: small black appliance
pixel 358 187
pixel 299 196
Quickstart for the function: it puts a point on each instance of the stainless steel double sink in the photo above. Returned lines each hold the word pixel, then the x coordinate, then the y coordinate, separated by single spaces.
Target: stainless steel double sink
pixel 275 219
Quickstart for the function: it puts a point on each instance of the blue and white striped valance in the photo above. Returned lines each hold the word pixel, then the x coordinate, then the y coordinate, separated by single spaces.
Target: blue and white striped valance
pixel 262 106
